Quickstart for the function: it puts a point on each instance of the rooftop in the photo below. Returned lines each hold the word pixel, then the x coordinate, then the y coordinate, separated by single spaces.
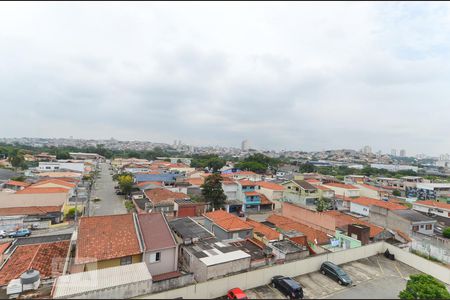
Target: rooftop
pixel 47 258
pixel 380 203
pixel 155 232
pixel 164 195
pixel 342 186
pixel 17 183
pixel 227 221
pixel 75 285
pixel 106 237
pixel 305 185
pixel 413 216
pixel 186 229
pixel 250 248
pixel 270 233
pixel 344 219
pixel 286 246
pixel 31 210
pixel 270 185
pixel 46 190
pixel 435 204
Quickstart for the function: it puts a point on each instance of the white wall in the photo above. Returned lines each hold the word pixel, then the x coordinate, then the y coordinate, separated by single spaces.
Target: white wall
pixel 56 166
pixel 443 213
pixel 359 209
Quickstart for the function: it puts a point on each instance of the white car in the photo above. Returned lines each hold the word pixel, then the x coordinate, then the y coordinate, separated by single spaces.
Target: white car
pixel 3 234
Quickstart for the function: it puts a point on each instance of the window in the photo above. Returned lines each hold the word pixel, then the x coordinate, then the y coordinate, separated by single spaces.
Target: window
pixel 155 257
pixel 47 168
pixel 421 226
pixel 415 228
pixel 56 168
pixel 125 260
pixel 429 226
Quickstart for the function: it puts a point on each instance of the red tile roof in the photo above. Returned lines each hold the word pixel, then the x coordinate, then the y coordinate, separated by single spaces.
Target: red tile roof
pixel 164 195
pixel 313 181
pixel 371 187
pixel 323 188
pixel 245 182
pixel 342 186
pixel 289 224
pixel 344 219
pixel 269 233
pixel 30 210
pixel 270 185
pixel 155 232
pixel 48 259
pixel 432 203
pixel 106 237
pixel 55 181
pixel 227 221
pixel 50 190
pixel 4 246
pixel 264 199
pixel 17 183
pixel 143 183
pixel 196 181
pixel 380 203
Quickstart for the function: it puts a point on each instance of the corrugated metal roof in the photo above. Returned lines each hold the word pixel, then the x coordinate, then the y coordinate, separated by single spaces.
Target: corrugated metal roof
pixel 75 284
pixel 224 257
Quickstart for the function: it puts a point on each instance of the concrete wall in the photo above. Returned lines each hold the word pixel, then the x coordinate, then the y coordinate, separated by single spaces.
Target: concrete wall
pixel 168 262
pixel 111 263
pixel 252 279
pixel 438 253
pixel 173 283
pixel 314 219
pixel 117 292
pixel 359 209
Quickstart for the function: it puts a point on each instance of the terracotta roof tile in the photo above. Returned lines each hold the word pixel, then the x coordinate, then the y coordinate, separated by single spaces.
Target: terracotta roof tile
pixel 245 182
pixel 48 259
pixel 143 183
pixel 344 219
pixel 268 232
pixel 342 186
pixel 227 221
pixel 17 183
pixel 433 204
pixel 164 195
pixel 4 246
pixel 289 224
pixel 264 199
pixel 50 190
pixel 106 237
pixel 252 194
pixel 55 181
pixel 270 185
pixel 31 210
pixel 380 203
pixel 195 181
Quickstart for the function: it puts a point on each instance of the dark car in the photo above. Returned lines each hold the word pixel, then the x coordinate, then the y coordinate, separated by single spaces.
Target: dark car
pixel 335 272
pixel 119 192
pixel 288 286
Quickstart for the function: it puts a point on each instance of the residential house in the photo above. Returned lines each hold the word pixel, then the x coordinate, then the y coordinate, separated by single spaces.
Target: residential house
pixel 263 232
pixel 226 226
pixel 160 248
pixel 163 200
pixel 165 178
pixel 355 179
pixel 49 258
pixel 300 192
pixel 202 254
pixel 240 175
pixel 390 183
pixel 405 220
pixel 434 209
pixel 273 191
pixel 344 190
pixel 58 166
pixel 15 185
pixel 362 205
pixel 107 241
pixel 251 198
pixel 286 250
pixel 371 191
pixel 35 216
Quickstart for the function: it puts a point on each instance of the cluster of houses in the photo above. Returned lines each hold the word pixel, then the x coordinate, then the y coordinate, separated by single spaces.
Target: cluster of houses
pixel 174 239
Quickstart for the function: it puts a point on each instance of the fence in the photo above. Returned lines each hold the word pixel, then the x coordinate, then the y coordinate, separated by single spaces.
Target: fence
pixel 219 287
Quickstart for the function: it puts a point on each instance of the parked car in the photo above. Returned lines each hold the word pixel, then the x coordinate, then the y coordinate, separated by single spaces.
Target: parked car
pixel 241 214
pixel 3 234
pixel 335 272
pixel 288 286
pixel 20 233
pixel 236 293
pixel 119 192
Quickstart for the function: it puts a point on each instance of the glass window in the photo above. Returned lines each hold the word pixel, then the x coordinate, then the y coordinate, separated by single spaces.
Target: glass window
pixel 155 257
pixel 125 260
pixel 429 226
pixel 415 228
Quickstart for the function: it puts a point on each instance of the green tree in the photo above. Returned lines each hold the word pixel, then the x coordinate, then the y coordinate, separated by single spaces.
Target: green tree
pixel 16 158
pixel 423 286
pixel 125 183
pixel 321 204
pixel 62 155
pixel 307 168
pixel 215 163
pixel 253 166
pixel 446 232
pixel 19 178
pixel 396 193
pixel 212 191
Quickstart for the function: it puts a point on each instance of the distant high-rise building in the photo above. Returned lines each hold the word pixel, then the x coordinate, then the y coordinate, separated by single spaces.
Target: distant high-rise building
pixel 245 145
pixel 403 153
pixel 394 152
pixel 444 157
pixel 367 150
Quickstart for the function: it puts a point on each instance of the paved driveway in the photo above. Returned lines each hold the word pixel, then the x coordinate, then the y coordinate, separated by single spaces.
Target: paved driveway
pixel 110 204
pixel 373 278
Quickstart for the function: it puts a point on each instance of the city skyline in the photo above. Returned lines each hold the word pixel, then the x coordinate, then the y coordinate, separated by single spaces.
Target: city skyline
pixel 369 74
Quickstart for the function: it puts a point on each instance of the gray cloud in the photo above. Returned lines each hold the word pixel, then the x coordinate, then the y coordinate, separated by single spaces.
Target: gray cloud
pixel 286 76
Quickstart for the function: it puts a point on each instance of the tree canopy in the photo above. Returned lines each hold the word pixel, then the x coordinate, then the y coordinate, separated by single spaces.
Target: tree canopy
pixel 423 286
pixel 212 191
pixel 125 183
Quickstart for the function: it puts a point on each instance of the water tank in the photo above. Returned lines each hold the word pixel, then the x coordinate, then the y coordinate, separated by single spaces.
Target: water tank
pixel 30 280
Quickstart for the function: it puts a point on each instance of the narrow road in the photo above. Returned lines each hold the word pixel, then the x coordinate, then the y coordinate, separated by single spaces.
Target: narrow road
pixel 110 203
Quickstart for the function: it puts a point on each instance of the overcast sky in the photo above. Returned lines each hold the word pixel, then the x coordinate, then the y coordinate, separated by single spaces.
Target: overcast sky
pixel 301 76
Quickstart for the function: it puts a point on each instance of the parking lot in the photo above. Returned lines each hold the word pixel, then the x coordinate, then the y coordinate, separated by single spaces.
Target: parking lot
pixel 373 278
